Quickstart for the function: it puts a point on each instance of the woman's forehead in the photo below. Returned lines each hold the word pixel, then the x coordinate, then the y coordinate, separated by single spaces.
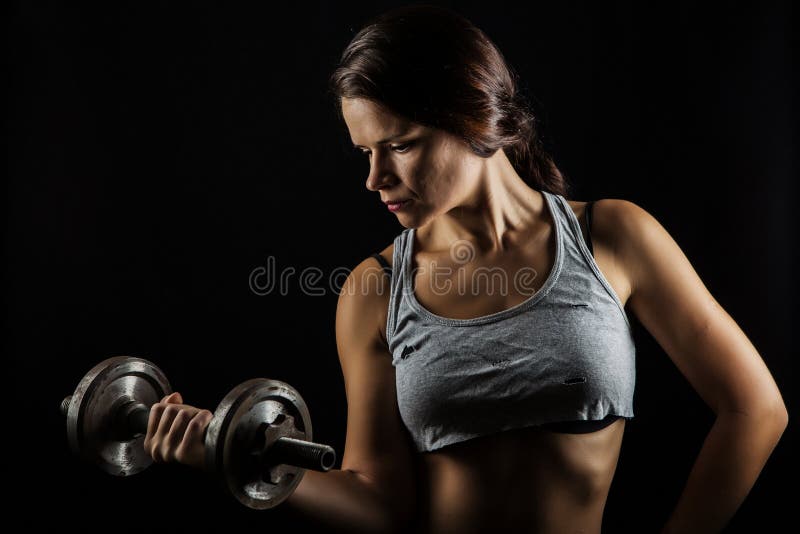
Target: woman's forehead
pixel 362 109
pixel 373 123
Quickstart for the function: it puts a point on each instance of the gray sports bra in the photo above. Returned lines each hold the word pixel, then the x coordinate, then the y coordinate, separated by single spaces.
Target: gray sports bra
pixel 564 359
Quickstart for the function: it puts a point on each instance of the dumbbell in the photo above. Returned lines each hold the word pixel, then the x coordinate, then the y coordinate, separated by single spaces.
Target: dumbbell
pixel 258 444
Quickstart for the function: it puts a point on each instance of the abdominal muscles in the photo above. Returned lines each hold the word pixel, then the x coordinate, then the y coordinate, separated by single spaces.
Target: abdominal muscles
pixel 524 480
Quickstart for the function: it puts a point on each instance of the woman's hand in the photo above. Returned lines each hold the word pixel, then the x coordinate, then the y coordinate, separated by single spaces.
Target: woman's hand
pixel 175 432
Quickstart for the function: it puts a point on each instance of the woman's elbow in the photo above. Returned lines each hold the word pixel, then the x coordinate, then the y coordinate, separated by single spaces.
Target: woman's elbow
pixel 771 414
pixel 775 413
pixel 782 416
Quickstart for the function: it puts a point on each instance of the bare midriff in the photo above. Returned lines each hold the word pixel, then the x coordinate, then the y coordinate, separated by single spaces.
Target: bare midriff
pixel 522 480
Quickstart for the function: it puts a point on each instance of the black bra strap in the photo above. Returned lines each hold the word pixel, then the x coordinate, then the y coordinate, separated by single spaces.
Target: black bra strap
pixel 589 225
pixel 385 264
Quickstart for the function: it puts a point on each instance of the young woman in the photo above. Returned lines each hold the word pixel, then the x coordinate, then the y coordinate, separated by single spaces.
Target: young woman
pixel 490 367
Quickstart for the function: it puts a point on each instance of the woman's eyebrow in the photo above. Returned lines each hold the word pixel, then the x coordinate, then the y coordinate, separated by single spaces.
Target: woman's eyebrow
pixel 385 140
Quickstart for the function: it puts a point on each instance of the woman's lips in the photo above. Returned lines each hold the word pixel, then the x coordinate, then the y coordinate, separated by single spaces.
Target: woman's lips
pixel 397 206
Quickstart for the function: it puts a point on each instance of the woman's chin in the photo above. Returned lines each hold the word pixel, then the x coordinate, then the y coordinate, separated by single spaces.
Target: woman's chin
pixel 410 221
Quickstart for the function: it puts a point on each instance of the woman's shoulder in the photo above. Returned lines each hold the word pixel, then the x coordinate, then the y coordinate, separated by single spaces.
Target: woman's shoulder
pixel 610 205
pixel 608 217
pixel 364 297
pixel 636 237
pixel 611 221
pixel 388 254
pixel 369 280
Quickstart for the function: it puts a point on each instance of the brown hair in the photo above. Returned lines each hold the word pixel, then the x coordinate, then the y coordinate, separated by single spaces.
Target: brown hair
pixel 432 66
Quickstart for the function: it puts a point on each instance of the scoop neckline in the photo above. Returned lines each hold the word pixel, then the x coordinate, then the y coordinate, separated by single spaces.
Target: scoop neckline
pixel 531 301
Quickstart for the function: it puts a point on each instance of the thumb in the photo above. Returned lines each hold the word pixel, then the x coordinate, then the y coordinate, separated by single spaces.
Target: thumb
pixel 174 398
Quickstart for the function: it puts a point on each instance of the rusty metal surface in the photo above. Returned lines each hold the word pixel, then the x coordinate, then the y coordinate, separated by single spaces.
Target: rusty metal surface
pixel 252 414
pixel 93 426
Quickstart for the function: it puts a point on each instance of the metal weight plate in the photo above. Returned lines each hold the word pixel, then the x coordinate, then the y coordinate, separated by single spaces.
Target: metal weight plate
pixel 90 415
pixel 253 414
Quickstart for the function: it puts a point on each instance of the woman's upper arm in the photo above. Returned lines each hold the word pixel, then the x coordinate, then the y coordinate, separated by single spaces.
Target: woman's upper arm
pixel 674 305
pixel 377 445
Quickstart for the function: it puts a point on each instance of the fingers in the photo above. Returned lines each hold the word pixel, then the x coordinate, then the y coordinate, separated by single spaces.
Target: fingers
pixel 196 428
pixel 155 417
pixel 152 425
pixel 175 431
pixel 159 450
pixel 174 436
pixel 174 397
pixel 191 449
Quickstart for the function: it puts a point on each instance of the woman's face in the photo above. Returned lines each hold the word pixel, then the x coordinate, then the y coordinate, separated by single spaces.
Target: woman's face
pixel 429 169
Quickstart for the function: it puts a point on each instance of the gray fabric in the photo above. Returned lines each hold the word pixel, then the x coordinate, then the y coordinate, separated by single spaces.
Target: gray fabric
pixel 566 353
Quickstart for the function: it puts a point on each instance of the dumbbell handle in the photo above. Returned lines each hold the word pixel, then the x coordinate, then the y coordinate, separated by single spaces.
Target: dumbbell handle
pixel 132 418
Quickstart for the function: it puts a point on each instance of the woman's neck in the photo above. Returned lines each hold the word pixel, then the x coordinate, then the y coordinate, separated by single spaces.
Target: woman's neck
pixel 499 210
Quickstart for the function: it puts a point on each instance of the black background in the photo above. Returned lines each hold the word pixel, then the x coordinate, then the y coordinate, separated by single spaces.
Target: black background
pixel 160 153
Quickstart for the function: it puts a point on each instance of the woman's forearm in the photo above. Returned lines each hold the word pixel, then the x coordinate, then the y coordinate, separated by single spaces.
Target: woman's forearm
pixel 733 455
pixel 342 501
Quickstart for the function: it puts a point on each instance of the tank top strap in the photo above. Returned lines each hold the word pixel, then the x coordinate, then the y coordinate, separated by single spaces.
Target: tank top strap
pixel 581 272
pixel 570 227
pixel 385 264
pixel 589 226
pixel 396 286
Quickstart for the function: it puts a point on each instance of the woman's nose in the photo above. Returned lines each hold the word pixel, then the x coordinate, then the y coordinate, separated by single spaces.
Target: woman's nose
pixel 379 173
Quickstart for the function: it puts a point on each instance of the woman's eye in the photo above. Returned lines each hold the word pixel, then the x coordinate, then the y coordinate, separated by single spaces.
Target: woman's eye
pixel 401 148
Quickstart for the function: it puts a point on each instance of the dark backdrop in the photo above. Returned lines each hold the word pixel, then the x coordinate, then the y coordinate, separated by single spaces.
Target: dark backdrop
pixel 160 153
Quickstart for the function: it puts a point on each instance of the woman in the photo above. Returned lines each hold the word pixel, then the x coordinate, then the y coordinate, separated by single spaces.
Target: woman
pixel 473 408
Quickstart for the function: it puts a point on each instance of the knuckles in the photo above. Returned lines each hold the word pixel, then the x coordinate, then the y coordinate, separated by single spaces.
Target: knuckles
pixel 164 452
pixel 163 443
pixel 180 455
pixel 171 409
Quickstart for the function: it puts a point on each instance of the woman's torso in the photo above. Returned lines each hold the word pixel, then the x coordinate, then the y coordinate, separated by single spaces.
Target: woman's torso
pixel 527 479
